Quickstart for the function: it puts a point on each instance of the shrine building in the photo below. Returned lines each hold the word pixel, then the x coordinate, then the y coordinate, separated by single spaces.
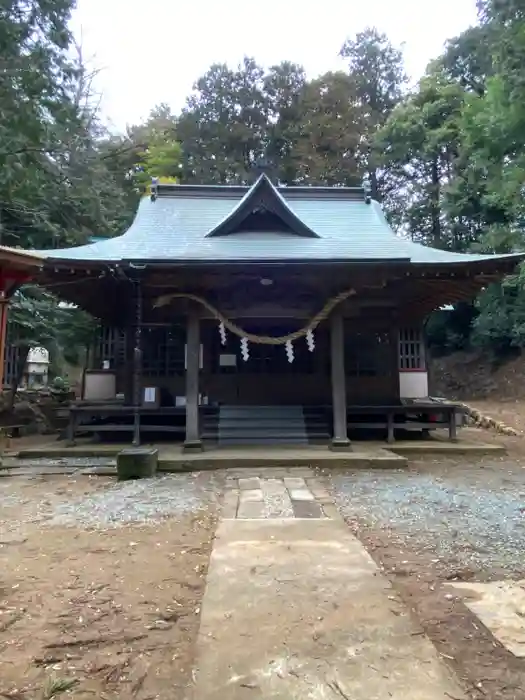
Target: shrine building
pixel 260 315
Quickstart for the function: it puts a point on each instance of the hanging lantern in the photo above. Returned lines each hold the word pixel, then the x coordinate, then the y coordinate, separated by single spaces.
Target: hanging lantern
pixel 310 340
pixel 222 333
pixel 289 351
pixel 245 351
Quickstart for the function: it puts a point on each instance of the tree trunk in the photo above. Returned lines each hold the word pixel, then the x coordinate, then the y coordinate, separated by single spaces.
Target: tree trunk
pixel 435 208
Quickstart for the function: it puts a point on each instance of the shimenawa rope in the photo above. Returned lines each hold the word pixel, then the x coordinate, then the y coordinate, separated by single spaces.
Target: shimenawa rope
pixel 261 339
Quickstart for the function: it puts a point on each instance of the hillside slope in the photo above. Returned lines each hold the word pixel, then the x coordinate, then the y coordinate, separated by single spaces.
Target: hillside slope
pixel 473 375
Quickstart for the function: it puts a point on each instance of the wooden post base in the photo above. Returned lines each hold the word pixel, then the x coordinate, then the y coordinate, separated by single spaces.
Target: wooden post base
pixel 193 446
pixel 340 445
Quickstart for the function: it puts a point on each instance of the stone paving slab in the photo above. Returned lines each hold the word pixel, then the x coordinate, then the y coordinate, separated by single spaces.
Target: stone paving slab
pixel 307 509
pixel 297 609
pixel 250 495
pixel 273 497
pixel 250 484
pixel 301 494
pixel 294 482
pixel 250 510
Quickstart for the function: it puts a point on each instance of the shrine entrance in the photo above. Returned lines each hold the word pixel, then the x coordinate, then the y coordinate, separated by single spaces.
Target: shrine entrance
pixel 267 376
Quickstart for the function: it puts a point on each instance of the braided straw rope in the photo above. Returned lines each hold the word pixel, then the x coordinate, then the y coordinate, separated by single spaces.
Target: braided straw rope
pixel 488 423
pixel 261 339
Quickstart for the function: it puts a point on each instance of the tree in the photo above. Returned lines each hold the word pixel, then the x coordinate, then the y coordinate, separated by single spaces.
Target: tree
pixel 223 127
pixel 57 186
pixel 153 149
pixel 326 148
pixel 377 68
pixel 467 59
pixel 419 147
pixel 284 88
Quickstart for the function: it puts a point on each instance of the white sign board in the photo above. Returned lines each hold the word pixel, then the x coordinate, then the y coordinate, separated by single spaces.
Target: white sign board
pixel 228 360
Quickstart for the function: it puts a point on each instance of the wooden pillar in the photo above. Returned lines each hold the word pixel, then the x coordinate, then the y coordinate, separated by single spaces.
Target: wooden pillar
pixel 137 365
pixel 340 439
pixel 128 369
pixel 193 441
pixel 4 308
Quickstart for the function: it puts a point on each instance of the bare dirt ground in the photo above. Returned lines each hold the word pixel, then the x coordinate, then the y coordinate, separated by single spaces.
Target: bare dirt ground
pixel 108 607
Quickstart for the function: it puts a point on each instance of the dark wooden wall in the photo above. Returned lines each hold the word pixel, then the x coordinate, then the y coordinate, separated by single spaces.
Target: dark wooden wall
pixel 371 364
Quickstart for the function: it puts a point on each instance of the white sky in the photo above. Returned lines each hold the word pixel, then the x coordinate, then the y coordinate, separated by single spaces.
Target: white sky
pixel 151 52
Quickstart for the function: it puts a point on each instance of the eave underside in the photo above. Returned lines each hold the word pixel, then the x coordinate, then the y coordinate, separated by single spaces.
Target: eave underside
pixel 408 292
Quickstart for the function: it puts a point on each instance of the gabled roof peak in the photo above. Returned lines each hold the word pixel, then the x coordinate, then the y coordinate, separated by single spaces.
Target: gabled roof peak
pixel 262 199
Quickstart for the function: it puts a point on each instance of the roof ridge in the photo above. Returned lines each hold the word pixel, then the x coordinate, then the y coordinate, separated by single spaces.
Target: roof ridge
pixel 169 189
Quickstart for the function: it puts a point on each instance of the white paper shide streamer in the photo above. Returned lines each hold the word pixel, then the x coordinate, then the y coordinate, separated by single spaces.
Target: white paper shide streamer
pixel 245 350
pixel 222 333
pixel 289 351
pixel 310 340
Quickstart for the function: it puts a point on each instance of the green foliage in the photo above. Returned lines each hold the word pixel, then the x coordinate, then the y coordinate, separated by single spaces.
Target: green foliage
pixel 55 189
pixel 419 146
pixel 312 132
pixel 449 330
pixel 37 318
pixel 455 147
pixel 59 183
pixel 154 149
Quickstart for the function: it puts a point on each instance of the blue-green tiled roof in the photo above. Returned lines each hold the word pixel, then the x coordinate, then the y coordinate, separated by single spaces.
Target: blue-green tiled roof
pixel 174 227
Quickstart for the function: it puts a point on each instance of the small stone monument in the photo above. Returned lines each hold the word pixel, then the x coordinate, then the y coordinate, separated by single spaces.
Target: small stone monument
pixel 137 463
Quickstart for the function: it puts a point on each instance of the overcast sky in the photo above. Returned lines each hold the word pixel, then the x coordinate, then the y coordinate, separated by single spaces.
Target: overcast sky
pixel 152 52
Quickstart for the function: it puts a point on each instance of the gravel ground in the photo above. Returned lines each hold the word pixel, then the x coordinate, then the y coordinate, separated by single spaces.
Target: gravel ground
pixel 475 518
pixel 105 505
pixel 141 501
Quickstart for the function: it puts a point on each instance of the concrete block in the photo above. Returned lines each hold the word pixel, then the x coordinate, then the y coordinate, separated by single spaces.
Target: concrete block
pixel 137 463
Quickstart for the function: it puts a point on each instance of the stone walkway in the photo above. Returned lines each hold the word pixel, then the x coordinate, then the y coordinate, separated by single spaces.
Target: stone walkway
pixel 289 493
pixel 295 608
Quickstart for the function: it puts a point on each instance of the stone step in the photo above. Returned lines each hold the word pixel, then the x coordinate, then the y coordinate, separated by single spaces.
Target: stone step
pixel 262 425
pixel 281 440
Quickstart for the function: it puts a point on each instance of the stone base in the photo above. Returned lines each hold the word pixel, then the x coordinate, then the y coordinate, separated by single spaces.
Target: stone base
pixel 137 463
pixel 193 446
pixel 339 445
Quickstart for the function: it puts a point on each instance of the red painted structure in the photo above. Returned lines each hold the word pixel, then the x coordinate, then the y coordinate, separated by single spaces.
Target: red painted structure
pixel 17 267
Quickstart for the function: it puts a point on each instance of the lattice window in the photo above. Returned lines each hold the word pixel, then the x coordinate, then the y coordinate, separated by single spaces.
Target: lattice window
pixel 411 350
pixel 163 351
pixel 111 347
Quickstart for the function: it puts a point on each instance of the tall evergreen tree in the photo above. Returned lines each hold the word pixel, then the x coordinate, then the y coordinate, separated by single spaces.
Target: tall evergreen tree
pixel 377 68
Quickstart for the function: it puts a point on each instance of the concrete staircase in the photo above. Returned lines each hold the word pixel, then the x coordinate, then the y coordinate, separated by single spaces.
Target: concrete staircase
pixel 258 425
